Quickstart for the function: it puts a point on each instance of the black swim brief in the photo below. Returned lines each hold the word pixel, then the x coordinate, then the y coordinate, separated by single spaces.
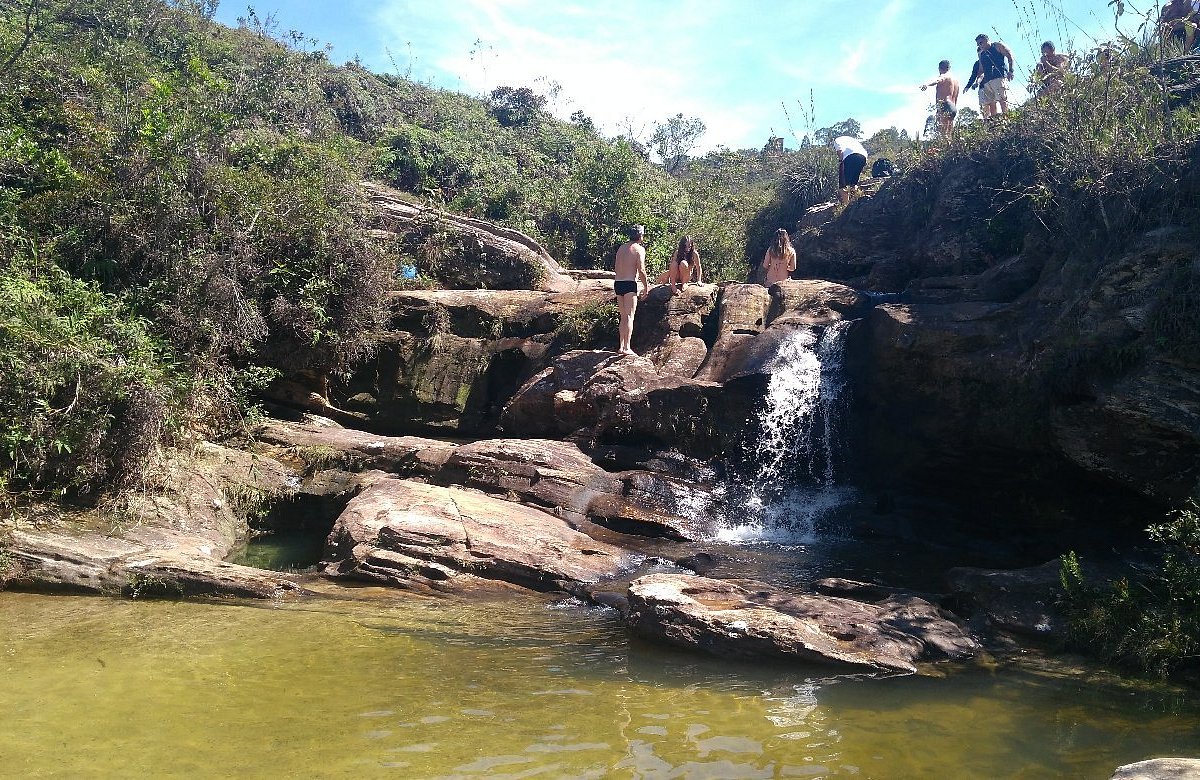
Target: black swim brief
pixel 624 286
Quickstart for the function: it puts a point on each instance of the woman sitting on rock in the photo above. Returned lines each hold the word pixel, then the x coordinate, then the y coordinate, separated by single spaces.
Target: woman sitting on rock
pixel 685 266
pixel 780 259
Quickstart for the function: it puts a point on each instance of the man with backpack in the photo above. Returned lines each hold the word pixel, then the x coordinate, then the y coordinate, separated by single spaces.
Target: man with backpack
pixel 994 76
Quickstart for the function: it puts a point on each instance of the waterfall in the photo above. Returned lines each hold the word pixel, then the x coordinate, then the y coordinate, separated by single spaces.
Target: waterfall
pixel 802 409
pixel 794 460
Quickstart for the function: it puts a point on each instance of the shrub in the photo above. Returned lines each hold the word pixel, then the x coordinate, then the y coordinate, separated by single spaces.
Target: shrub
pixel 1150 622
pixel 89 390
pixel 588 325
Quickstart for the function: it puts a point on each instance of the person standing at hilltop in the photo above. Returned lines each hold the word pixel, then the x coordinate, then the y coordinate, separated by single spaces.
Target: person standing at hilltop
pixel 685 266
pixel 1178 20
pixel 853 156
pixel 976 75
pixel 780 259
pixel 994 75
pixel 630 268
pixel 945 96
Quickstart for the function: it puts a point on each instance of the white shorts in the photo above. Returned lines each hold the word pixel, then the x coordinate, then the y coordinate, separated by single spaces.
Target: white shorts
pixel 994 91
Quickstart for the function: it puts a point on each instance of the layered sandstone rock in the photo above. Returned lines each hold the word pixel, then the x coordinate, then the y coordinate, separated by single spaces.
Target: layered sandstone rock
pixel 743 619
pixel 167 544
pixel 413 535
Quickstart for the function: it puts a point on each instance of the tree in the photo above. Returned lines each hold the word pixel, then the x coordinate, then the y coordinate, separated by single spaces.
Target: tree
pixel 887 142
pixel 515 106
pixel 967 116
pixel 825 135
pixel 673 139
pixel 583 121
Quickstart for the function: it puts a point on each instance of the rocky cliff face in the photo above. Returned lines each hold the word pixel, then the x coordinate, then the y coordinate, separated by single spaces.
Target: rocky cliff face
pixel 1007 350
pixel 540 364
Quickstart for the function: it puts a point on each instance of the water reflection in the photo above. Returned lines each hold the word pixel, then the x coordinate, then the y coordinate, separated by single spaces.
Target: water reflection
pixel 419 688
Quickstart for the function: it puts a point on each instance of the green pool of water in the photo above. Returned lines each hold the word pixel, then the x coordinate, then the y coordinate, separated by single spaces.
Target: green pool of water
pixel 397 686
pixel 295 551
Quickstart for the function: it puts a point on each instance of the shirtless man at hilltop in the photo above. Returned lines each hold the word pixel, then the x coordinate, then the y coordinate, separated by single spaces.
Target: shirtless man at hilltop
pixel 945 95
pixel 630 268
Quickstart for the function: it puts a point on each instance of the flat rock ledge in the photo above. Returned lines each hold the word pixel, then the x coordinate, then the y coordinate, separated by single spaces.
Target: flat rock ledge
pixel 431 538
pixel 1160 769
pixel 751 620
pixel 90 562
pixel 166 545
pixel 553 475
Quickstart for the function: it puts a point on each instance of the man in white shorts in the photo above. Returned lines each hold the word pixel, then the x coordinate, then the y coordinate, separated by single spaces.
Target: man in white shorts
pixel 994 76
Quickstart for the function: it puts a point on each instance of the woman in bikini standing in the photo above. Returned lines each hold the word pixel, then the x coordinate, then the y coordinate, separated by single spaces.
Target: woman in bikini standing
pixel 780 259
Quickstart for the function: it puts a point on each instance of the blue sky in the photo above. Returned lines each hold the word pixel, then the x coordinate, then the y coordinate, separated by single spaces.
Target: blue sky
pixel 747 68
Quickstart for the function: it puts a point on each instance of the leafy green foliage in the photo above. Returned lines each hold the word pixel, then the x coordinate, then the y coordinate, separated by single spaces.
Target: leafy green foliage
pixel 673 139
pixel 88 390
pixel 176 199
pixel 1152 622
pixel 515 105
pixel 811 177
pixel 588 325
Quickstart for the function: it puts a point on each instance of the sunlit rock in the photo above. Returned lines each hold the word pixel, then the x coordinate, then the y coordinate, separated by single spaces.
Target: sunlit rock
pixel 744 619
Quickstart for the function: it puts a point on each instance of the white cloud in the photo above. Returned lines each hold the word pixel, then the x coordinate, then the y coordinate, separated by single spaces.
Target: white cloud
pixel 729 62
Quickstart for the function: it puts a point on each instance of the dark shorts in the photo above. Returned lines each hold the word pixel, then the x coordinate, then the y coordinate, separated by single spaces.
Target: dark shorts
pixel 624 286
pixel 946 108
pixel 851 168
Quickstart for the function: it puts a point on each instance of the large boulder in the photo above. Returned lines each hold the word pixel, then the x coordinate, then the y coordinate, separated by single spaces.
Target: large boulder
pixel 744 619
pixel 429 537
pixel 749 337
pixel 1013 351
pixel 465 252
pixel 741 315
pixel 1160 769
pixel 624 399
pixel 668 328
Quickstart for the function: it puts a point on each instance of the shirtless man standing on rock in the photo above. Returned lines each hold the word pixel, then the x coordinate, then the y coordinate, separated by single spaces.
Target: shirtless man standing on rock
pixel 630 268
pixel 945 95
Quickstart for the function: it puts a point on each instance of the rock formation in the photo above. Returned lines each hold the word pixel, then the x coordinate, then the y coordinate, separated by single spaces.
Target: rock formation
pixel 742 619
pixel 1005 349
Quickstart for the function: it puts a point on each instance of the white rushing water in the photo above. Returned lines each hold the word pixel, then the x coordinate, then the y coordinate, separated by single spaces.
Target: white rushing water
pixel 799 438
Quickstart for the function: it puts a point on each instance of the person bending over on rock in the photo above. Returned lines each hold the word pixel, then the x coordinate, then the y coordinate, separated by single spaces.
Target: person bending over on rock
pixel 780 259
pixel 1051 70
pixel 945 95
pixel 853 157
pixel 630 267
pixel 685 266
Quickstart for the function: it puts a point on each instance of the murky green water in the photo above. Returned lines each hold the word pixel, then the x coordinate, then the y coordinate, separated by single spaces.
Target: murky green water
pixel 396 686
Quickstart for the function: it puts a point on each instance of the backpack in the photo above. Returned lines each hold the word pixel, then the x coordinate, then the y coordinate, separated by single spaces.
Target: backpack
pixel 882 167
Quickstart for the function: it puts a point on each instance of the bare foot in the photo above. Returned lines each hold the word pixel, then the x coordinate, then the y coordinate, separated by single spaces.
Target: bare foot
pixel 628 352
